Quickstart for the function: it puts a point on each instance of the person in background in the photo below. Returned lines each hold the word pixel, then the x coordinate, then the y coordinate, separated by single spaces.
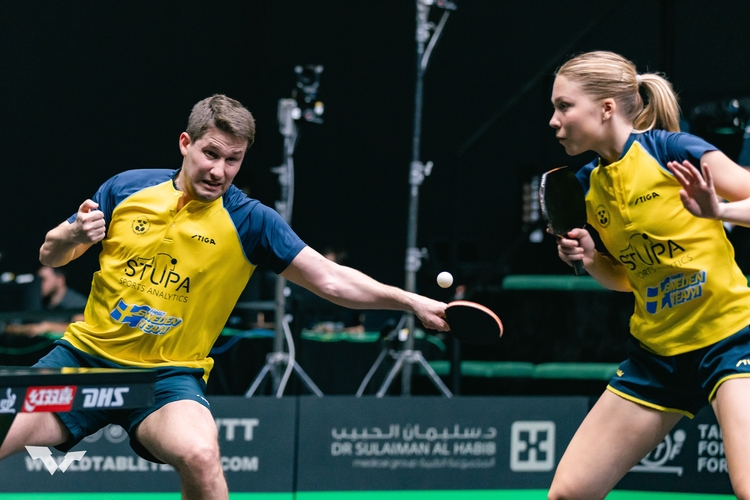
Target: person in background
pixel 56 297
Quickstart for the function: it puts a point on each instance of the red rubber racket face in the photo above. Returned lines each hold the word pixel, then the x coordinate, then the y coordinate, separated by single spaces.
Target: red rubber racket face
pixel 473 323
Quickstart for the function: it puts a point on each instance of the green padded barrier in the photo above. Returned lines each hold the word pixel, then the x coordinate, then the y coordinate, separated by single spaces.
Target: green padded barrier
pixel 362 337
pixel 521 369
pixel 20 351
pixel 576 371
pixel 259 333
pixel 441 367
pixel 486 369
pixel 551 282
pixel 554 282
pixel 503 369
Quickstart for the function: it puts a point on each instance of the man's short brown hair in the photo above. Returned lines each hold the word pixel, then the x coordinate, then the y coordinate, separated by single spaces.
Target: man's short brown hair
pixel 223 113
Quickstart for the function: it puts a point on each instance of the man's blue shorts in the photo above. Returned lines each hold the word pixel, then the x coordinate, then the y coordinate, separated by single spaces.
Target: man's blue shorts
pixel 684 383
pixel 172 384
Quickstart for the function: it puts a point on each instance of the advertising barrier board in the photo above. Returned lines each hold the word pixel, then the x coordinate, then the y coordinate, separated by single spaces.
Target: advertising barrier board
pixel 256 436
pixel 433 443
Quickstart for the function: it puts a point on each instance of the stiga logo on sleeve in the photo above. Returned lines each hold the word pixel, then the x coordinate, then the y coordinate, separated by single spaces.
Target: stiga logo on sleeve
pixel 50 398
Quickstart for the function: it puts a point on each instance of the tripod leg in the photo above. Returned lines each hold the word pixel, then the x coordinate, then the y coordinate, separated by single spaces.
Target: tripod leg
pixel 307 380
pixel 372 371
pixel 392 374
pixel 434 376
pixel 258 380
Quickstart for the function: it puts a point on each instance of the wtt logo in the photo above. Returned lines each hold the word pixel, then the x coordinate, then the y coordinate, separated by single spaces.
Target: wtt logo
pixel 45 455
pixel 664 453
pixel 532 446
pixel 237 426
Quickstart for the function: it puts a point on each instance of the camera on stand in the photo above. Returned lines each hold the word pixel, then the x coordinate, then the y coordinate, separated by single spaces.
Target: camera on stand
pixel 309 107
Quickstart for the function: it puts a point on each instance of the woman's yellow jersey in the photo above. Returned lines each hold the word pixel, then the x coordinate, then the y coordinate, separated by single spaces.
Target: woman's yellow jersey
pixel 689 291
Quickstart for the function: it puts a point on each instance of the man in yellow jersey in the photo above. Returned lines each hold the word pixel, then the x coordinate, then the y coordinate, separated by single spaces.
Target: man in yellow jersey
pixel 178 247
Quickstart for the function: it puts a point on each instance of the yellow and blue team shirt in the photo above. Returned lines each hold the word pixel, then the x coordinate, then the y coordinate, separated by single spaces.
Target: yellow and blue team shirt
pixel 689 291
pixel 169 279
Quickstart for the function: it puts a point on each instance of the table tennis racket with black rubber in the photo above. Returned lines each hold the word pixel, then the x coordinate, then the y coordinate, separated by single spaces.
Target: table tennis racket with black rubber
pixel 563 204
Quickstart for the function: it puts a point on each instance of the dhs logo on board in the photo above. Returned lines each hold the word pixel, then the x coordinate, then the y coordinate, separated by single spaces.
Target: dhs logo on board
pixel 104 397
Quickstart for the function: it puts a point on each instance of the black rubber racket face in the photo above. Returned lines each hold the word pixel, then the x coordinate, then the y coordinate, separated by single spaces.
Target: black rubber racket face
pixel 563 204
pixel 473 323
pixel 562 201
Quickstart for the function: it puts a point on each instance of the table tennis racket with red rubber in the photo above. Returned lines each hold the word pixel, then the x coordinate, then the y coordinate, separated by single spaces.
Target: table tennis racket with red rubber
pixel 563 204
pixel 473 323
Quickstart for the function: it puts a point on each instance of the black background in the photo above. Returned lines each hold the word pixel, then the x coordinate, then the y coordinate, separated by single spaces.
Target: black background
pixel 93 88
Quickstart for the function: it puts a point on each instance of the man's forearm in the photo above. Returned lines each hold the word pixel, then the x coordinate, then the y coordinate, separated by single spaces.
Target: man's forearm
pixel 59 248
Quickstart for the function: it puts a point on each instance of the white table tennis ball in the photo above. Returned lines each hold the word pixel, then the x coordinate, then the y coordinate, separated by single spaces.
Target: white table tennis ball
pixel 445 279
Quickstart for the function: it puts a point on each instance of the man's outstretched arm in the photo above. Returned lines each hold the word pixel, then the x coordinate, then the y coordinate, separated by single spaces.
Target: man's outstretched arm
pixel 350 288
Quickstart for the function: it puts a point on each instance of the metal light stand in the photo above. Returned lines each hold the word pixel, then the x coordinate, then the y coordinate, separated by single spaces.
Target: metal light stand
pixel 287 113
pixel 408 355
pixel 402 358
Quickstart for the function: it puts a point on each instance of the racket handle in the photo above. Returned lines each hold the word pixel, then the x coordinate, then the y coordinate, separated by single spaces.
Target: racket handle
pixel 578 268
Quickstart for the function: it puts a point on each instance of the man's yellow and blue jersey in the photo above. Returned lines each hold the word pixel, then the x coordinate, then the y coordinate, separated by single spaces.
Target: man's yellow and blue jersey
pixel 169 279
pixel 689 292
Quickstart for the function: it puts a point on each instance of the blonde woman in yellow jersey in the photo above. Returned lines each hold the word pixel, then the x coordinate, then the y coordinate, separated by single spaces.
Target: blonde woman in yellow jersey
pixel 689 329
pixel 178 247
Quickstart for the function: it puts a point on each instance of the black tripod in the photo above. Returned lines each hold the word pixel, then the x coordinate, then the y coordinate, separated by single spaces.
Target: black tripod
pixel 401 357
pixel 287 113
pixel 408 356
